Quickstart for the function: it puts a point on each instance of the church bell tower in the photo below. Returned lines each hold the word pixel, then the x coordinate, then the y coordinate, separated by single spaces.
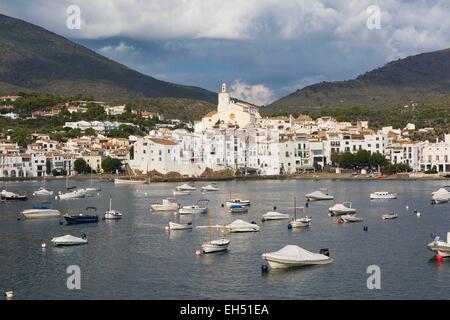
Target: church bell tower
pixel 224 98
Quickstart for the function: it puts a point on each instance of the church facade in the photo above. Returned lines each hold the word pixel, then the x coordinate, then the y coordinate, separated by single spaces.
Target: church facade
pixel 229 113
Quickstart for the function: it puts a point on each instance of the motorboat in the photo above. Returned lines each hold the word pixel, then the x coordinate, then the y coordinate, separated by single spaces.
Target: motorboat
pixel 42 191
pixel 237 208
pixel 440 196
pixel 41 211
pixel 350 218
pixel 441 247
pixel 180 226
pixel 112 214
pixel 169 204
pixel 389 216
pixel 318 195
pixel 382 195
pixel 82 217
pixel 69 240
pixel 181 193
pixel 215 245
pixel 293 256
pixel 200 207
pixel 273 215
pixel 129 181
pixel 242 226
pixel 75 194
pixel 209 188
pixel 8 195
pixel 241 202
pixel 185 187
pixel 341 209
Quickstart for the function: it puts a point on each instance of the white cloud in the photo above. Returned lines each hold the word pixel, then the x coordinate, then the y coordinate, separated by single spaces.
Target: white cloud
pixel 122 47
pixel 257 94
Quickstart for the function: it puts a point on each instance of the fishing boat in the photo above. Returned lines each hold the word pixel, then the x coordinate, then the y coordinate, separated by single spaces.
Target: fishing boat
pixel 293 256
pixel 185 187
pixel 69 240
pixel 181 193
pixel 318 195
pixel 295 222
pixel 200 207
pixel 440 196
pixel 273 215
pixel 209 188
pixel 82 217
pixel 8 195
pixel 180 226
pixel 389 216
pixel 341 209
pixel 350 218
pixel 441 247
pixel 169 204
pixel 41 211
pixel 382 195
pixel 216 245
pixel 237 208
pixel 112 214
pixel 242 226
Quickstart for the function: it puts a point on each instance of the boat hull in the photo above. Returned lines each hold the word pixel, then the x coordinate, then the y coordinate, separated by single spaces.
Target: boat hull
pixel 125 181
pixel 80 219
pixel 192 211
pixel 41 214
pixel 215 246
pixel 163 207
pixel 285 264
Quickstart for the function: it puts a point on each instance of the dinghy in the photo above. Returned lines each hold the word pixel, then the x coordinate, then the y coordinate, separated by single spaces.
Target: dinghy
pixel 293 256
pixel 41 211
pixel 215 245
pixel 441 247
pixel 351 218
pixel 273 215
pixel 69 240
pixel 389 216
pixel 241 226
pixel 318 195
pixel 169 204
pixel 180 226
pixel 382 195
pixel 341 209
pixel 440 196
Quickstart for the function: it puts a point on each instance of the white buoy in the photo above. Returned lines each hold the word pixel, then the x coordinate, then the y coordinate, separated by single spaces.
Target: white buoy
pixel 198 253
pixel 43 246
pixel 167 227
pixel 418 214
pixel 407 207
pixel 146 194
pixel 9 294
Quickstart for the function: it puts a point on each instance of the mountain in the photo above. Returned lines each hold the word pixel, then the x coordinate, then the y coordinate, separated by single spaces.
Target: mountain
pixel 423 78
pixel 37 59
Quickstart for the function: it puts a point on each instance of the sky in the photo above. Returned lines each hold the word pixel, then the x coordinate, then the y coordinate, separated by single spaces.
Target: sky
pixel 263 49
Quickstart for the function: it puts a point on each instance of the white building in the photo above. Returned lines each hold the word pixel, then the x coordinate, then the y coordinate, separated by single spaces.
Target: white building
pixel 436 155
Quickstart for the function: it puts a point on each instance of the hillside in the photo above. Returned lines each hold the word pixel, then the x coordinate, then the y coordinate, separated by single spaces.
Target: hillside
pixel 423 78
pixel 36 59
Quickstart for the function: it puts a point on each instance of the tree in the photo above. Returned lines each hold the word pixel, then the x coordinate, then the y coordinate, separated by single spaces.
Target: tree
pixel 347 160
pixel 362 158
pixel 80 166
pixel 89 132
pixel 48 166
pixel 132 152
pixel 21 137
pixel 111 165
pixel 377 159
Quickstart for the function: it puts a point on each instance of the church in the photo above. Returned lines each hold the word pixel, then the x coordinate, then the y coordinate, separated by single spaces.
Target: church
pixel 229 113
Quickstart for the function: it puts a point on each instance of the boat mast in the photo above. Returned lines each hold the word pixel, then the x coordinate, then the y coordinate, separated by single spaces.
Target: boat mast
pixel 110 201
pixel 295 208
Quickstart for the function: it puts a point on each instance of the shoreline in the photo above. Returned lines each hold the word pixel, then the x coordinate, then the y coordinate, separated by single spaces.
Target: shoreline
pixel 310 176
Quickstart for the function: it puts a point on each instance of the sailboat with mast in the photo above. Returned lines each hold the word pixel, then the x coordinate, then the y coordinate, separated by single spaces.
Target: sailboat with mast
pixel 92 188
pixel 304 221
pixel 8 195
pixel 43 191
pixel 216 245
pixel 72 192
pixel 112 214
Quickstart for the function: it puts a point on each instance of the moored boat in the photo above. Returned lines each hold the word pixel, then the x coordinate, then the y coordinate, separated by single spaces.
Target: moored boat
pixel 318 195
pixel 382 195
pixel 440 247
pixel 273 215
pixel 350 218
pixel 41 211
pixel 185 187
pixel 200 207
pixel 389 216
pixel 180 226
pixel 75 194
pixel 169 204
pixel 242 226
pixel 209 188
pixel 440 196
pixel 237 208
pixel 181 193
pixel 341 209
pixel 11 196
pixel 69 240
pixel 293 256
pixel 42 191
pixel 82 217
pixel 112 214
pixel 215 245
pixel 129 181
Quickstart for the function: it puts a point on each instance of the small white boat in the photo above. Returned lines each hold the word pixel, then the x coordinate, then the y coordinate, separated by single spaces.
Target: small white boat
pixel 169 204
pixel 389 216
pixel 382 195
pixel 185 187
pixel 69 240
pixel 441 247
pixel 200 207
pixel 129 181
pixel 318 195
pixel 180 226
pixel 112 214
pixel 299 223
pixel 351 218
pixel 93 189
pixel 241 202
pixel 241 226
pixel 237 208
pixel 209 188
pixel 342 208
pixel 273 215
pixel 8 195
pixel 181 193
pixel 440 196
pixel 41 211
pixel 294 256
pixel 75 194
pixel 215 245
pixel 42 191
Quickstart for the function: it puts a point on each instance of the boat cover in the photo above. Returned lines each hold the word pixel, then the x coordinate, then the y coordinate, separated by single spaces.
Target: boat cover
pixel 296 254
pixel 241 224
pixel 68 239
pixel 318 194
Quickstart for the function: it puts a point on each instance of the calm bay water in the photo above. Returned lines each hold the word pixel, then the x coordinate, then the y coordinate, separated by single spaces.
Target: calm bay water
pixel 135 258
